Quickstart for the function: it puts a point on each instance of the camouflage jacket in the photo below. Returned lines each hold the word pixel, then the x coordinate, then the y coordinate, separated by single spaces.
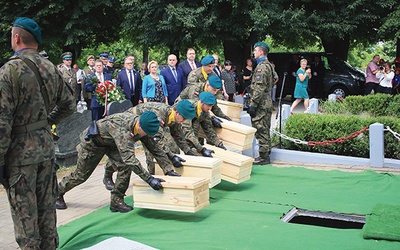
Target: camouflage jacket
pixel 262 82
pixel 192 127
pixel 22 104
pixel 69 76
pixel 116 131
pixel 196 77
pixel 163 111
pixel 193 91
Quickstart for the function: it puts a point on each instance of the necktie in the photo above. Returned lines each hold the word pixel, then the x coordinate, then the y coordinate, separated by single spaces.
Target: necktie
pixel 175 75
pixel 193 66
pixel 131 82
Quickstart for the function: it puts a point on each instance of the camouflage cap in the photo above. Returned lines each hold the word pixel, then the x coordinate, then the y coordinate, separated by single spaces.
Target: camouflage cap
pixel 261 44
pixel 207 60
pixel 66 56
pixel 149 123
pixel 30 26
pixel 207 98
pixel 215 82
pixel 186 109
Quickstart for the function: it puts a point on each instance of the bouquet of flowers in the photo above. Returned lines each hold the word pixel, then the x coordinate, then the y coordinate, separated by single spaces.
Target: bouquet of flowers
pixel 107 91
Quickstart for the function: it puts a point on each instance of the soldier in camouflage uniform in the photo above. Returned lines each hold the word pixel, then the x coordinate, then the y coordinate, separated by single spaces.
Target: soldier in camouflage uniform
pixel 171 119
pixel 200 75
pixel 212 85
pixel 115 137
pixel 33 95
pixel 69 73
pixel 260 108
pixel 202 120
pixel 87 71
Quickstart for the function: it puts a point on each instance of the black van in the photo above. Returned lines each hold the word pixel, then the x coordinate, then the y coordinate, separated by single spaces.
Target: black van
pixel 330 76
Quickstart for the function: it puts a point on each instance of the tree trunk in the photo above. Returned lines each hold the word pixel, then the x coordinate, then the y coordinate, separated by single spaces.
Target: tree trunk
pixel 398 47
pixel 145 54
pixel 338 46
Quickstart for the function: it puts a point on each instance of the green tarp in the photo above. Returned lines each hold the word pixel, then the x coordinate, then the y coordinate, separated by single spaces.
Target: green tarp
pixel 247 215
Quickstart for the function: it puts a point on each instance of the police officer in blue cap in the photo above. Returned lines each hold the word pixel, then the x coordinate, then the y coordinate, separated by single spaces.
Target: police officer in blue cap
pixel 109 68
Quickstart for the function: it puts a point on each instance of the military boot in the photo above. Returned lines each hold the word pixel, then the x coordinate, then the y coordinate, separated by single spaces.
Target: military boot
pixel 119 205
pixel 262 160
pixel 108 182
pixel 60 203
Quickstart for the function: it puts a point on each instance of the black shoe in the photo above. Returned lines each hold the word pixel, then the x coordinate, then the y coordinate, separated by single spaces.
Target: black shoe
pixel 262 161
pixel 120 206
pixel 172 173
pixel 108 182
pixel 60 203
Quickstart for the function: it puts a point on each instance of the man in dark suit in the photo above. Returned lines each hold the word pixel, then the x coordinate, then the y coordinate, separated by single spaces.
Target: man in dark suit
pixel 189 64
pixel 130 82
pixel 217 68
pixel 96 107
pixel 174 78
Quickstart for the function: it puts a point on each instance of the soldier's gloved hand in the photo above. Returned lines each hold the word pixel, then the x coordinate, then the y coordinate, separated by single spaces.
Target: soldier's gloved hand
pixel 155 183
pixel 177 161
pixel 221 145
pixel 216 122
pixel 206 152
pixel 227 118
pixel 252 111
pixel 2 179
pixel 190 152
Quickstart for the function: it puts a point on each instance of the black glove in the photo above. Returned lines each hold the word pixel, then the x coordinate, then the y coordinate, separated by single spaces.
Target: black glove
pixel 252 111
pixel 227 118
pixel 190 152
pixel 216 122
pixel 177 161
pixel 221 145
pixel 2 179
pixel 155 183
pixel 206 152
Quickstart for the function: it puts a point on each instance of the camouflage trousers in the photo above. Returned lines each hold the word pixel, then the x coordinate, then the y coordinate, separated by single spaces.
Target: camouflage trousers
pixel 89 156
pixel 166 141
pixel 32 196
pixel 262 122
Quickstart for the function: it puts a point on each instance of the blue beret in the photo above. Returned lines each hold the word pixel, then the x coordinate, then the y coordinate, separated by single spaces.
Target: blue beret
pixel 261 44
pixel 207 60
pixel 186 109
pixel 215 82
pixel 66 55
pixel 30 26
pixel 149 123
pixel 207 98
pixel 104 55
pixel 111 59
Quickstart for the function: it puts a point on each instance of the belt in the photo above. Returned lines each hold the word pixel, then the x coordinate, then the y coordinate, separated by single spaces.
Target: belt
pixel 29 127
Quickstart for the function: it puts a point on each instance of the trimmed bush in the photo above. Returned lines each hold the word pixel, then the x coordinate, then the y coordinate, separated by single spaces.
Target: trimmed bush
pixel 308 127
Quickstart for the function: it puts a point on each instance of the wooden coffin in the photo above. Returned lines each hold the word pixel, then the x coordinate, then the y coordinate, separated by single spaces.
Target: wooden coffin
pixel 236 168
pixel 181 194
pixel 231 109
pixel 234 134
pixel 198 166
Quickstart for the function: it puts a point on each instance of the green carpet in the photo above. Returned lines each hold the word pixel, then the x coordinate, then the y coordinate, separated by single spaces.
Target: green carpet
pixel 383 223
pixel 247 216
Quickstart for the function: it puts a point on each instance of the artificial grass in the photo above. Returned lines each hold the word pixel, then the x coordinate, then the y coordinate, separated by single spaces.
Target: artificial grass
pixel 383 223
pixel 247 216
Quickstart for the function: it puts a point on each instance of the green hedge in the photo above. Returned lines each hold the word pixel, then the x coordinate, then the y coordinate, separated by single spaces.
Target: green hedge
pixel 370 105
pixel 312 127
